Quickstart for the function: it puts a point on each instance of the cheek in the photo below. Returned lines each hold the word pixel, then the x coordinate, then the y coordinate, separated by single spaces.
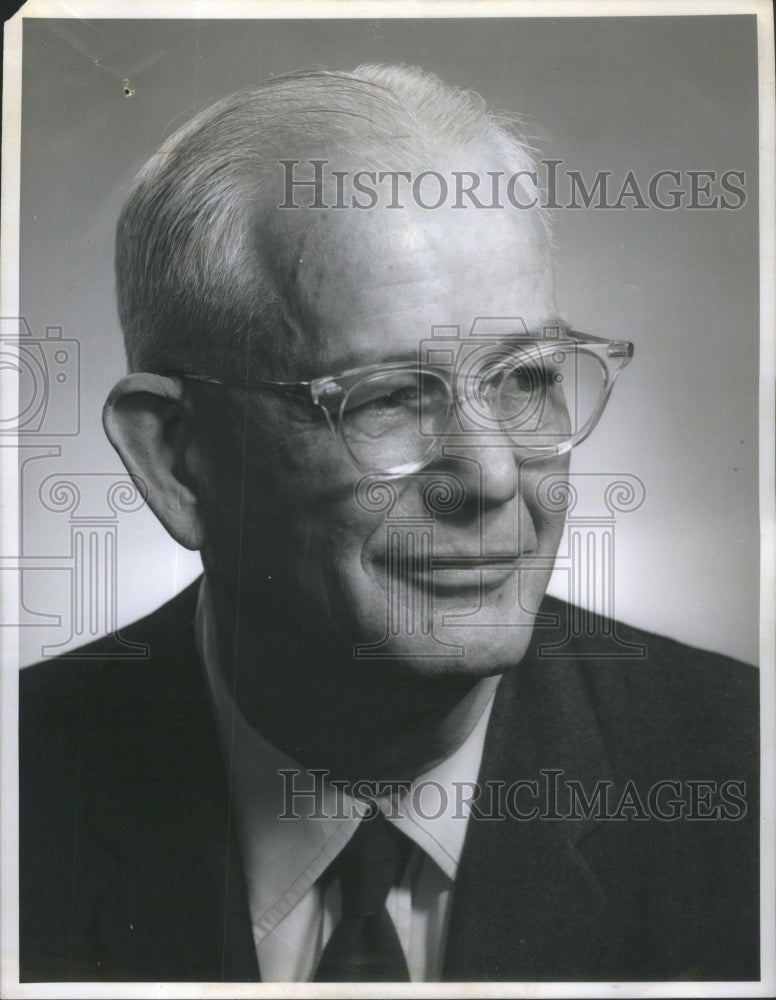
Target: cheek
pixel 302 523
pixel 320 570
pixel 545 491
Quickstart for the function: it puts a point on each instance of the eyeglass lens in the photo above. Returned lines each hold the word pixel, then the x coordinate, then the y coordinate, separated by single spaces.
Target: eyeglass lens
pixel 539 398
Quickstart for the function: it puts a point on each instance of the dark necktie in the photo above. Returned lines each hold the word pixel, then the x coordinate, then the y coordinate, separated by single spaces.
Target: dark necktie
pixel 364 946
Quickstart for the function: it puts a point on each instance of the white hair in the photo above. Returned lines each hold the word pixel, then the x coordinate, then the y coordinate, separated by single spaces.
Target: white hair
pixel 191 265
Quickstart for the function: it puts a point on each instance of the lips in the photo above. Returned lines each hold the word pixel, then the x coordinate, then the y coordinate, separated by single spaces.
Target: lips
pixel 455 561
pixel 455 573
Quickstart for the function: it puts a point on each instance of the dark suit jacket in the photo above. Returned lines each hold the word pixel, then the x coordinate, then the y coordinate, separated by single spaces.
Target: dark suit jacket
pixel 130 869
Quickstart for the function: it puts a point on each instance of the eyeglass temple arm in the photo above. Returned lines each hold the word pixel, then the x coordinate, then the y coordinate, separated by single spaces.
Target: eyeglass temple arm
pixel 302 388
pixel 617 348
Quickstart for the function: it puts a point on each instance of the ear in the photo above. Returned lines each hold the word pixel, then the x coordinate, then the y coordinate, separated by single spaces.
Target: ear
pixel 148 425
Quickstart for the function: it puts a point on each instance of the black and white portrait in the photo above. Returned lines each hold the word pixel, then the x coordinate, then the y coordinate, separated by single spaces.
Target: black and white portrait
pixel 388 404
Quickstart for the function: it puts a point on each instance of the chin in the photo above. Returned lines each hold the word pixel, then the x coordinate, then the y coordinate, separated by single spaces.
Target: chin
pixel 475 652
pixel 459 631
pixel 489 650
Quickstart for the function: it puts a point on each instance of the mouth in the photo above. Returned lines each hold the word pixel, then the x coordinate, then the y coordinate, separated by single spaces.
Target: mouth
pixel 457 574
pixel 509 561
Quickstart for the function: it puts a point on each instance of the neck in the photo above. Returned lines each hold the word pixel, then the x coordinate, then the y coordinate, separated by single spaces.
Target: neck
pixel 357 719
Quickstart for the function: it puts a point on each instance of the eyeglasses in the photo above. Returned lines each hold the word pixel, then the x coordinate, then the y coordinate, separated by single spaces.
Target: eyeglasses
pixel 542 396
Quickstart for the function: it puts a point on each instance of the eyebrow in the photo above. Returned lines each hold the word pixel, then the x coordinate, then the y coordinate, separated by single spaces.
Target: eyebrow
pixel 354 359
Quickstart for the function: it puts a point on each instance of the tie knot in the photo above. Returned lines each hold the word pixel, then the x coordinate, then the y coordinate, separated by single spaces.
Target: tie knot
pixel 369 865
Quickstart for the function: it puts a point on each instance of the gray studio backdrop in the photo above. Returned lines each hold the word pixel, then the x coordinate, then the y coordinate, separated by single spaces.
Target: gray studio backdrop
pixel 631 94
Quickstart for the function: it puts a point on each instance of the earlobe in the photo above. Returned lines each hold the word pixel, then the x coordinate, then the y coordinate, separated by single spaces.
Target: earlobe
pixel 146 423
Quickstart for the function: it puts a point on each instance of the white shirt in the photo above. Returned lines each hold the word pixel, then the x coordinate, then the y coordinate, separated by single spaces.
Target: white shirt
pixel 283 858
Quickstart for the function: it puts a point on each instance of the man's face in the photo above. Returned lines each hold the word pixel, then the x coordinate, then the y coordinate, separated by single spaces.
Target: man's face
pixel 323 552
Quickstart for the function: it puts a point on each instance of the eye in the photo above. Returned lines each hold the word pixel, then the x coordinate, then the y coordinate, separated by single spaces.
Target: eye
pixel 396 399
pixel 384 395
pixel 523 379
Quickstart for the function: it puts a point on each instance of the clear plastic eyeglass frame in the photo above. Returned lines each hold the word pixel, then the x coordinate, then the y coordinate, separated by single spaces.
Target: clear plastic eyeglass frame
pixel 331 394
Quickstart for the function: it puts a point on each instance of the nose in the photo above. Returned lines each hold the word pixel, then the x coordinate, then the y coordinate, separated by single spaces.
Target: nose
pixel 483 459
pixel 486 466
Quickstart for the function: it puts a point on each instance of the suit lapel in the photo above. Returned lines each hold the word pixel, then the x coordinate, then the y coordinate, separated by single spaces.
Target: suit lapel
pixel 527 906
pixel 172 904
pixel 178 912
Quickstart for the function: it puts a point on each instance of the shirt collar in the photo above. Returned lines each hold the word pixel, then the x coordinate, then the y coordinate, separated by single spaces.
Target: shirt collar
pixel 288 840
pixel 434 811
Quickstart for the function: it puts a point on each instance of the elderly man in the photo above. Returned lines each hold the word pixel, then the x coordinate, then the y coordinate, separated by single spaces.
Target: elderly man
pixel 344 756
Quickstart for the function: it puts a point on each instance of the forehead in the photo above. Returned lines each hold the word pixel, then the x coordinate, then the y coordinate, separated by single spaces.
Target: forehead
pixel 372 284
